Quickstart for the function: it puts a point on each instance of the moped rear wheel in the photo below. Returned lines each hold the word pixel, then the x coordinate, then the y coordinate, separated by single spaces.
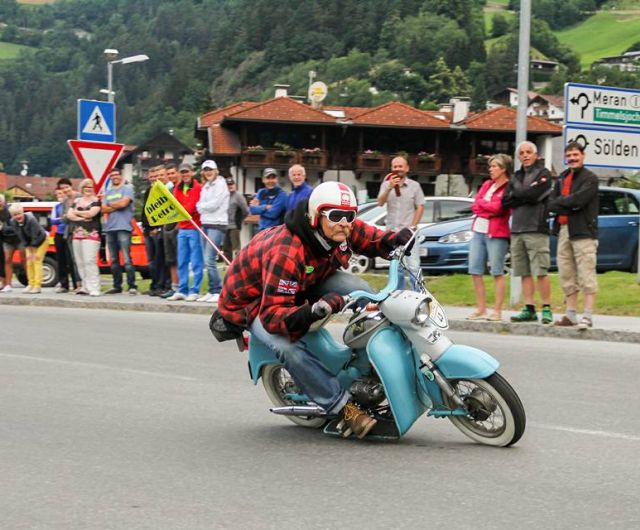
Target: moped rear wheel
pixel 496 415
pixel 277 384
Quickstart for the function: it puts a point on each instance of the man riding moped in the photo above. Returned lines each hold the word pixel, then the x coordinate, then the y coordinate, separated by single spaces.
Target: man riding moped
pixel 288 277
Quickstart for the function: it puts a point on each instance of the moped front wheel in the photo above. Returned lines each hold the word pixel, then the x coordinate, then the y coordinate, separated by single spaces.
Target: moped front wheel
pixel 496 415
pixel 277 384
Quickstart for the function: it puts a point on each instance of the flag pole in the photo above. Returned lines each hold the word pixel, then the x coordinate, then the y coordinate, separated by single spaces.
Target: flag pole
pixel 195 225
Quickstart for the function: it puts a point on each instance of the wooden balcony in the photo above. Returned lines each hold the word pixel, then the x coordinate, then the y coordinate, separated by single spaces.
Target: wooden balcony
pixel 421 165
pixel 373 163
pixel 313 160
pixel 279 159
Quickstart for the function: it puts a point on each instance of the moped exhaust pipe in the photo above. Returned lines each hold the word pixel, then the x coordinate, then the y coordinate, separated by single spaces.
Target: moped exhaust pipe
pixel 299 410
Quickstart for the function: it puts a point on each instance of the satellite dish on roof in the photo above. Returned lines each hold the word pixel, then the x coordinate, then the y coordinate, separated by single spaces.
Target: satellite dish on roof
pixel 317 92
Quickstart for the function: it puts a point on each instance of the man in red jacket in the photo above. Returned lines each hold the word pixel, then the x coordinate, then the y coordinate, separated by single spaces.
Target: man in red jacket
pixel 288 277
pixel 187 193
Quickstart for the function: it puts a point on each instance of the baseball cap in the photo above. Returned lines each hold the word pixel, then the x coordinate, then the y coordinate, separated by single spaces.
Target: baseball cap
pixel 269 171
pixel 209 164
pixel 185 166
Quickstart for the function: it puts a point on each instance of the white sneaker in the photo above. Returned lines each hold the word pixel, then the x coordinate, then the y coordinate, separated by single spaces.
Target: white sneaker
pixel 27 290
pixel 177 296
pixel 214 298
pixel 192 297
pixel 6 289
pixel 95 293
pixel 35 290
pixel 206 298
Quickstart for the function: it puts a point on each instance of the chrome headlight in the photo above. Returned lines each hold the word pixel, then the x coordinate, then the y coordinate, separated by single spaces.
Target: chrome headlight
pixel 423 310
pixel 457 237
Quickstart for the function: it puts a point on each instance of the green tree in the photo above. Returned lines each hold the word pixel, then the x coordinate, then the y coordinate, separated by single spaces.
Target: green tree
pixel 499 25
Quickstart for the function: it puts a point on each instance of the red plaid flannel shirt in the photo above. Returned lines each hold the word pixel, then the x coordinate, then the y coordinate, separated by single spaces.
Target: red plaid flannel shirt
pixel 275 267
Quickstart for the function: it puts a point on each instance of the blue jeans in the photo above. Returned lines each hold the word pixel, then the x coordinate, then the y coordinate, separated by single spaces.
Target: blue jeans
pixel 120 241
pixel 413 264
pixel 483 247
pixel 189 251
pixel 210 257
pixel 309 373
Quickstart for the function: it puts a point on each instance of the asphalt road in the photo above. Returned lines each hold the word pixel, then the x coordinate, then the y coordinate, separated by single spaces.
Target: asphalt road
pixel 130 420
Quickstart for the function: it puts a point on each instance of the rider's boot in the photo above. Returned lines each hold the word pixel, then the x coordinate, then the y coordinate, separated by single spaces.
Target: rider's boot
pixel 357 421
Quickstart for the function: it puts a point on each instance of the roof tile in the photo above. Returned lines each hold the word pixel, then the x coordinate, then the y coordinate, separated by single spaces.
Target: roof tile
pixel 504 119
pixel 396 114
pixel 282 109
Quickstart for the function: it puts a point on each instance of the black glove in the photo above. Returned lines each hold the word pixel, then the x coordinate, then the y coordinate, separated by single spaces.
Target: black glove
pixel 329 303
pixel 402 237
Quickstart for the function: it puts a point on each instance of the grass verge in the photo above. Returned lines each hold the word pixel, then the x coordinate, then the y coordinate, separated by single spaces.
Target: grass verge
pixel 618 292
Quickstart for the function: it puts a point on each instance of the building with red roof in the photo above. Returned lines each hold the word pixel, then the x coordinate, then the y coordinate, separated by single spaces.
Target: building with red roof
pixel 356 145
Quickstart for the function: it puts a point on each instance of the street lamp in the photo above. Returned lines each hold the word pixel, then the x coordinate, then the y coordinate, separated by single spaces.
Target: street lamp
pixel 111 55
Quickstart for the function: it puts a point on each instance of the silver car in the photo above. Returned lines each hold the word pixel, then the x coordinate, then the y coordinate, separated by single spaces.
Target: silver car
pixel 436 209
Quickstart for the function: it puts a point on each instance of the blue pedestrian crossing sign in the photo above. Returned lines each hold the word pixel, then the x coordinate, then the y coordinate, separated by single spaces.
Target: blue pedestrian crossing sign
pixel 96 120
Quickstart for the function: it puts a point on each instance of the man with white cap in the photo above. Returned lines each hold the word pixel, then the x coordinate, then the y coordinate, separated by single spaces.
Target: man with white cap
pixel 213 208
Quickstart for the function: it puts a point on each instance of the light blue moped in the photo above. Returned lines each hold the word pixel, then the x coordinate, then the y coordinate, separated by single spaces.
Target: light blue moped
pixel 398 365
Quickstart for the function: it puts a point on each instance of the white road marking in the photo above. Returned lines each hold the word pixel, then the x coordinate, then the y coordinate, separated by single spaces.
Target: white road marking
pixel 96 365
pixel 604 434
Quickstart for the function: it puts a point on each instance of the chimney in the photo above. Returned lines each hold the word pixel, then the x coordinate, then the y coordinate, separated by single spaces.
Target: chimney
pixel 281 91
pixel 461 108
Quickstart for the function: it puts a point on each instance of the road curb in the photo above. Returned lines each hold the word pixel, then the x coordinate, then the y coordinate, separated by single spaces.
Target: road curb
pixel 195 308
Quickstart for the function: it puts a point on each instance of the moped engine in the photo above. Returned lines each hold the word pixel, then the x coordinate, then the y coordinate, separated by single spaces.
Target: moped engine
pixel 367 392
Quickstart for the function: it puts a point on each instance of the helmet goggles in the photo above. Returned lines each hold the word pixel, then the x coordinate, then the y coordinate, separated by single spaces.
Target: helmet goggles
pixel 336 215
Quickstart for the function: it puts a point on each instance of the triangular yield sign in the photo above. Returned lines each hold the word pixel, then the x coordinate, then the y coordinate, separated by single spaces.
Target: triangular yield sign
pixel 96 159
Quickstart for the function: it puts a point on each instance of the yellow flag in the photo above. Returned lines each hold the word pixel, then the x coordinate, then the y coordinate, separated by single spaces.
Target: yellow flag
pixel 162 207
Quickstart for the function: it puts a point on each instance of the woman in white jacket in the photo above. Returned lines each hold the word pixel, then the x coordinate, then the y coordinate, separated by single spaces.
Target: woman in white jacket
pixel 213 208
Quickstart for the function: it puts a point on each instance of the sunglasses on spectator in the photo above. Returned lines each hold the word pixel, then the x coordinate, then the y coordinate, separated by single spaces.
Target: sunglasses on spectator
pixel 271 177
pixel 336 216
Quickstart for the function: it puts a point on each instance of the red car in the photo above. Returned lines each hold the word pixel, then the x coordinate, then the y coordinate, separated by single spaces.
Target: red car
pixel 42 212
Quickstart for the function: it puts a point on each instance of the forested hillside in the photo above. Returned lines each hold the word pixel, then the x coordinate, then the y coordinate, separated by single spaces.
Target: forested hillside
pixel 206 53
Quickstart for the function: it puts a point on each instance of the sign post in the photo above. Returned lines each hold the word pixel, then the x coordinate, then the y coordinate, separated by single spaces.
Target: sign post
pixel 606 121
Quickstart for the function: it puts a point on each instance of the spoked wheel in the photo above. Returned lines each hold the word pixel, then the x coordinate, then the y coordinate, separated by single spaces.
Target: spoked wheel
pixel 496 415
pixel 278 383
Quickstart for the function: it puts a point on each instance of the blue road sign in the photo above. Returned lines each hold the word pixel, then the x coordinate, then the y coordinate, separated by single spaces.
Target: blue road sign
pixel 96 120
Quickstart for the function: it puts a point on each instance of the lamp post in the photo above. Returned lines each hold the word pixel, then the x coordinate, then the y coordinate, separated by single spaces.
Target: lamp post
pixel 111 55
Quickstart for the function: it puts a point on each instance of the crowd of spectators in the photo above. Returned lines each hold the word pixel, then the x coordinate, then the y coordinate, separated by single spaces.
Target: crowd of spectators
pixel 511 216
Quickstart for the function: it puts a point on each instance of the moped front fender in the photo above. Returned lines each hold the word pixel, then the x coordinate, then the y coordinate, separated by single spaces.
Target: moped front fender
pixel 392 356
pixel 466 362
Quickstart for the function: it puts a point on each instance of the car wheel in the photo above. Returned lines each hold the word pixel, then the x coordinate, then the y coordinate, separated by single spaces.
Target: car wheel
pixel 49 272
pixel 358 264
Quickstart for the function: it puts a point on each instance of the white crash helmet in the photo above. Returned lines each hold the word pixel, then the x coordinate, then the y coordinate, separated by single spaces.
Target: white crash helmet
pixel 330 195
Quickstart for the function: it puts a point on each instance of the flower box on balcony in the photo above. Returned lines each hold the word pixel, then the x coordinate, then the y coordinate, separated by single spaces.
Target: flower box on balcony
pixel 428 163
pixel 283 157
pixel 371 161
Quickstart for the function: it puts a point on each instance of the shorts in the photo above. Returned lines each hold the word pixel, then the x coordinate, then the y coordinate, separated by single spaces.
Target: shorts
pixel 577 264
pixel 483 247
pixel 10 248
pixel 530 254
pixel 170 240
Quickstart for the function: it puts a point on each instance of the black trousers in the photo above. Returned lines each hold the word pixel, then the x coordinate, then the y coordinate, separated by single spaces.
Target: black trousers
pixel 66 266
pixel 158 270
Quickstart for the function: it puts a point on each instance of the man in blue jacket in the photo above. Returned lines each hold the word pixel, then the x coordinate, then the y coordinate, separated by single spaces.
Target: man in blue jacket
pixel 270 202
pixel 300 189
